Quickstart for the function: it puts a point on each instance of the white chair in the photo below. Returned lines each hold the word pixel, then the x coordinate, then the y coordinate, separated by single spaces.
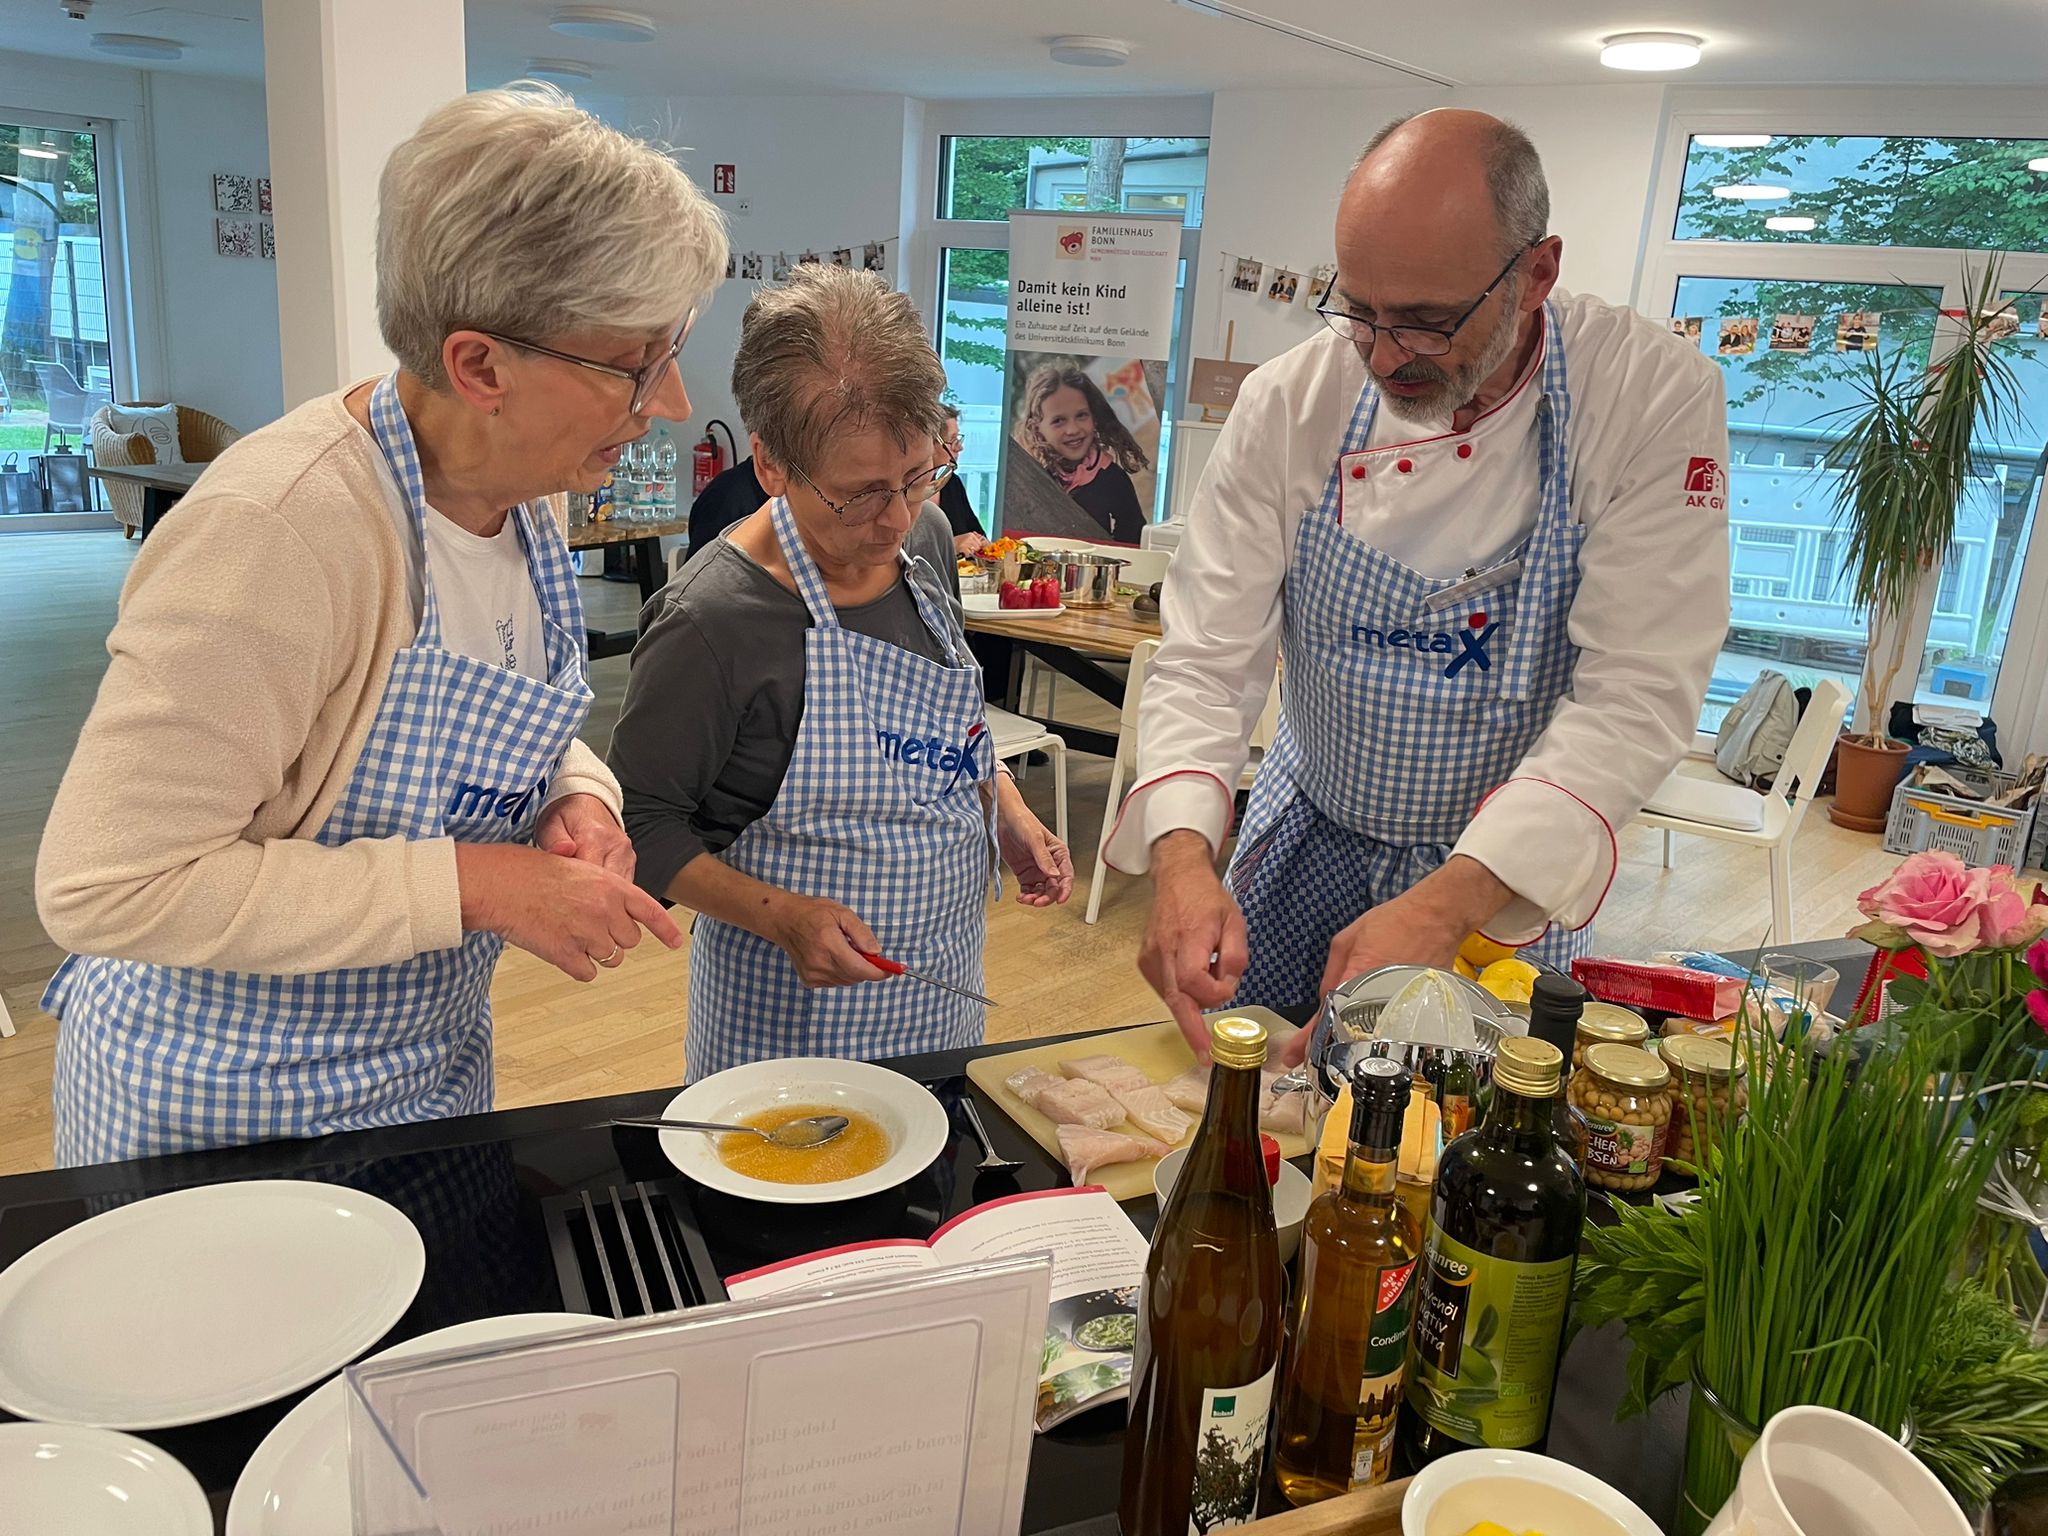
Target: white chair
pixel 1720 808
pixel 1015 737
pixel 1126 764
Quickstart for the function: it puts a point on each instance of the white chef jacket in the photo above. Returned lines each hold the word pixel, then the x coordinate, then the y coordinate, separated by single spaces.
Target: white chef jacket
pixel 1649 438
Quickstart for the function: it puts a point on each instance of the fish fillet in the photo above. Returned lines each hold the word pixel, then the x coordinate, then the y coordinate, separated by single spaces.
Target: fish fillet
pixel 1284 1114
pixel 1087 1149
pixel 1065 1101
pixel 1145 1103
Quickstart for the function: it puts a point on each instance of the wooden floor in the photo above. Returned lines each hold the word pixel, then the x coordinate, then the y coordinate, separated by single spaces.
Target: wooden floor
pixel 561 1040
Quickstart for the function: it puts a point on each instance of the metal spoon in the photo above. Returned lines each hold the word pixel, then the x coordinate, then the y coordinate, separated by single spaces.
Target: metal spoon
pixel 811 1131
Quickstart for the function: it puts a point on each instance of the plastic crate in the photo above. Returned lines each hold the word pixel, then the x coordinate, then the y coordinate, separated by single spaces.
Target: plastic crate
pixel 1976 833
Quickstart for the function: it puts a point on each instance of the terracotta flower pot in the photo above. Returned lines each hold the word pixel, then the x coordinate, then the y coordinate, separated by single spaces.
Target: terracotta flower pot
pixel 1865 777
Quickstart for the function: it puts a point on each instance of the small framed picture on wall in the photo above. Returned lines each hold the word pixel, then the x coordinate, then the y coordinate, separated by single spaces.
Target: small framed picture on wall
pixel 266 241
pixel 263 196
pixel 234 237
pixel 233 194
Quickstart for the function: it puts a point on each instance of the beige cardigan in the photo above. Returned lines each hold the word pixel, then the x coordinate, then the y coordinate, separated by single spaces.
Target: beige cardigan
pixel 255 634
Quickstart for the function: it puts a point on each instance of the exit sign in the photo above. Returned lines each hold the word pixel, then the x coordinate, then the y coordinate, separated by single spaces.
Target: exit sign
pixel 724 178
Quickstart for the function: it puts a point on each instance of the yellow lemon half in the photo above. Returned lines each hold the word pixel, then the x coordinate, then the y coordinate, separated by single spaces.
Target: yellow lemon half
pixel 1480 951
pixel 1509 980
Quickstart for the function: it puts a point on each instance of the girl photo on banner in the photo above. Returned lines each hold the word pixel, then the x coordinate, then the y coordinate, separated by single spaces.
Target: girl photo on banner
pixel 1088 431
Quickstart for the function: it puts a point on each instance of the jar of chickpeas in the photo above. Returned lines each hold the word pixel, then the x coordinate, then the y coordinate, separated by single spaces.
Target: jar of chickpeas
pixel 1608 1024
pixel 1621 1092
pixel 1709 1090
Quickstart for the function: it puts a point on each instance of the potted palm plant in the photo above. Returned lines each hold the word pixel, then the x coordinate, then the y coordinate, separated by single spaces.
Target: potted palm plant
pixel 1906 459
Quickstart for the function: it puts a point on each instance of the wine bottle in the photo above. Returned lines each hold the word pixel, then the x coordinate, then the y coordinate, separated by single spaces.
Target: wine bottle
pixel 1495 1280
pixel 1347 1338
pixel 1209 1320
pixel 1556 1004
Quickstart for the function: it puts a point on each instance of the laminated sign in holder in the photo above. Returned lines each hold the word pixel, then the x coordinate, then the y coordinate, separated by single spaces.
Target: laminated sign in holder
pixel 904 1406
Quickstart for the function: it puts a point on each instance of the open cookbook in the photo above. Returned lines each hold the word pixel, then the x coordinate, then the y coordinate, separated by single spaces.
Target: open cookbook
pixel 1098 1258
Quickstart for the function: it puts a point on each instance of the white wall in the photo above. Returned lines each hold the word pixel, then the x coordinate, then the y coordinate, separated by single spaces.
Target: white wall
pixel 1278 159
pixel 817 172
pixel 219 313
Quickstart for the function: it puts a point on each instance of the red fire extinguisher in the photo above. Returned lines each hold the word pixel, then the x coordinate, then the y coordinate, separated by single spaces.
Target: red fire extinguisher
pixel 707 459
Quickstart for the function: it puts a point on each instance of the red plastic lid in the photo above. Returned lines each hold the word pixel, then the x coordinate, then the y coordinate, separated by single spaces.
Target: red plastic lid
pixel 1272 1150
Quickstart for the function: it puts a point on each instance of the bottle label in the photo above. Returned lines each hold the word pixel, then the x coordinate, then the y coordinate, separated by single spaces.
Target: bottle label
pixel 1487 1330
pixel 1618 1146
pixel 1230 1454
pixel 1379 1393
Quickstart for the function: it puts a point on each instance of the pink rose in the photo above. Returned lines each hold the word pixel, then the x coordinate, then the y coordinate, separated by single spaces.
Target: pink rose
pixel 2011 917
pixel 1930 900
pixel 2037 961
pixel 2037 1008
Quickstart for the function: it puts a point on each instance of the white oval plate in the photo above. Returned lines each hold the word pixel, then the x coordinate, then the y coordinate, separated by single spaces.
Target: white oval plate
pixel 64 1480
pixel 1519 1489
pixel 297 1482
pixel 200 1303
pixel 992 603
pixel 914 1119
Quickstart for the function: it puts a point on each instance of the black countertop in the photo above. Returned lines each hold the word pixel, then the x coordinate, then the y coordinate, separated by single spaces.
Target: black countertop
pixel 480 1190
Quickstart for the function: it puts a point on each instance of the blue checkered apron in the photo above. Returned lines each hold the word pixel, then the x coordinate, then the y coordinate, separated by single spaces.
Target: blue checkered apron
pixel 154 1058
pixel 1407 700
pixel 866 819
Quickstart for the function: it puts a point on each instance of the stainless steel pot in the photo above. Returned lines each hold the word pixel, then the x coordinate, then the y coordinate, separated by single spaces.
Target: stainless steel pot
pixel 1086 580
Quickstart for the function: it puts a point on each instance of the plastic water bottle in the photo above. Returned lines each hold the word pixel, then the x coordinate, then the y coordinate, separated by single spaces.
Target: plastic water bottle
pixel 665 458
pixel 637 489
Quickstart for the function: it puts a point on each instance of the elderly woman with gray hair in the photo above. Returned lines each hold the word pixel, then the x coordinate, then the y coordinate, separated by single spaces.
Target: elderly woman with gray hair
pixel 835 797
pixel 334 768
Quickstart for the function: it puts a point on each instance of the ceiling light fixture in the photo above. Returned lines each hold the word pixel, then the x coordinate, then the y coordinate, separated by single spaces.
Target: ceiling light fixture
pixel 37 151
pixel 133 45
pixel 1790 223
pixel 602 24
pixel 1651 50
pixel 558 71
pixel 1752 192
pixel 1732 140
pixel 1318 39
pixel 2038 165
pixel 1090 52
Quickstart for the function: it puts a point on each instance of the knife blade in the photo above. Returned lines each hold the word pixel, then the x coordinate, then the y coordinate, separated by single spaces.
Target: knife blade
pixel 898 968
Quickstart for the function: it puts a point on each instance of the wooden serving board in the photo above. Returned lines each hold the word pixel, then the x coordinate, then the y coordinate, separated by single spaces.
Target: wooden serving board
pixel 1368 1512
pixel 1157 1050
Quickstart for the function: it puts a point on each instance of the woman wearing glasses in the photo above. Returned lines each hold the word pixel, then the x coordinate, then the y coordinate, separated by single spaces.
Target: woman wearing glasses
pixel 803 749
pixel 334 768
pixel 1486 522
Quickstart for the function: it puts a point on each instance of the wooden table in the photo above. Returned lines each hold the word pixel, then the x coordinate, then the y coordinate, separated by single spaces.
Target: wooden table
pixel 643 540
pixel 1066 643
pixel 162 485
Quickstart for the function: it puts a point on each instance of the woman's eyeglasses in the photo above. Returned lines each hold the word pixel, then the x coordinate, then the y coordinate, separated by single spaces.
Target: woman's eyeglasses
pixel 859 510
pixel 646 379
pixel 1415 340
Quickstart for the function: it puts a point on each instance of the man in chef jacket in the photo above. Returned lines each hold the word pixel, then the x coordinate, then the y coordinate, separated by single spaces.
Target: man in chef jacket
pixel 1486 523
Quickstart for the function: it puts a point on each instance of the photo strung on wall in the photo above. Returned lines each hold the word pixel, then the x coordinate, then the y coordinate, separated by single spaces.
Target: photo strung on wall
pixel 1740 335
pixel 775 267
pixel 1279 282
pixel 242 226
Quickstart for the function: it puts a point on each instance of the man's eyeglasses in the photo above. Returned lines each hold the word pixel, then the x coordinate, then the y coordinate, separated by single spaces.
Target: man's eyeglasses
pixel 646 379
pixel 1416 340
pixel 860 510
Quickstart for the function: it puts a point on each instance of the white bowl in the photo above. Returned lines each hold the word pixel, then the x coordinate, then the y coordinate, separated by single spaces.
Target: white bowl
pixel 913 1119
pixel 1517 1489
pixel 1291 1197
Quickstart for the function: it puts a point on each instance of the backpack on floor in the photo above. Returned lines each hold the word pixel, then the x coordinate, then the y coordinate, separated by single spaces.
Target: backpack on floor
pixel 1756 731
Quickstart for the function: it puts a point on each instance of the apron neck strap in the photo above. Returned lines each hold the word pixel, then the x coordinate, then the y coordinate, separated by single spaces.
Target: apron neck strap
pixel 810 582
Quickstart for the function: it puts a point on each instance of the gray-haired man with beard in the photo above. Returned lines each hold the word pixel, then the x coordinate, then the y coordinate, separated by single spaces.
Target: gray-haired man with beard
pixel 1485 521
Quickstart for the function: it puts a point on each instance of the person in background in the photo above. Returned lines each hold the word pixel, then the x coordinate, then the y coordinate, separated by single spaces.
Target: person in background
pixel 733 494
pixel 968 534
pixel 1487 523
pixel 803 749
pixel 333 767
pixel 1072 430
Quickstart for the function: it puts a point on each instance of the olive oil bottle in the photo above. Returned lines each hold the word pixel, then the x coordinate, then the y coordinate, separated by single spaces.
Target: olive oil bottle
pixel 1495 1280
pixel 1209 1319
pixel 1347 1337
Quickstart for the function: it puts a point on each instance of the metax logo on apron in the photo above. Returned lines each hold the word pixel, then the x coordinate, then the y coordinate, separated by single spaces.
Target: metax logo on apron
pixel 1466 647
pixel 934 754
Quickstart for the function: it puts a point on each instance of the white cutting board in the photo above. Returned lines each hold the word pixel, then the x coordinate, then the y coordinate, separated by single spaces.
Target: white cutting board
pixel 1158 1050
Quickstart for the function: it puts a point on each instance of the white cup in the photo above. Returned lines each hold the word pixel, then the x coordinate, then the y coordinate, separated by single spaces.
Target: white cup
pixel 1817 1472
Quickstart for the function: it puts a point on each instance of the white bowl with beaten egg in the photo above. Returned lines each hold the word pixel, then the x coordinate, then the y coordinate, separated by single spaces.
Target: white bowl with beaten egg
pixel 908 1116
pixel 1519 1492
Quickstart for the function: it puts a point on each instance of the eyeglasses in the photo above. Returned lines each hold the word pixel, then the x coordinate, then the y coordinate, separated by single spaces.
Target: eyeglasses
pixel 1415 340
pixel 646 379
pixel 858 511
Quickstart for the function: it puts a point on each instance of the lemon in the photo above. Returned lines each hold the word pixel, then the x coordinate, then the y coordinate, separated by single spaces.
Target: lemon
pixel 1509 980
pixel 1482 951
pixel 1465 968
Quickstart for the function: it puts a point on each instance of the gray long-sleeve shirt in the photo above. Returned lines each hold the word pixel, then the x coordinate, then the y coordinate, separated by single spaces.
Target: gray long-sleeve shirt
pixel 717 693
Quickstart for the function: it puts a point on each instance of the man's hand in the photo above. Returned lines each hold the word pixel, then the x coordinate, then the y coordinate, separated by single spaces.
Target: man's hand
pixel 1424 925
pixel 583 827
pixel 1194 952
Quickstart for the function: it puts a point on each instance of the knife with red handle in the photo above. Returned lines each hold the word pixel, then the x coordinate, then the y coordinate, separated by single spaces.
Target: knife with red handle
pixel 898 968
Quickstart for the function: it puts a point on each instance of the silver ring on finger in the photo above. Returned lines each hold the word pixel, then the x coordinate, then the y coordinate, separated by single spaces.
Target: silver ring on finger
pixel 610 959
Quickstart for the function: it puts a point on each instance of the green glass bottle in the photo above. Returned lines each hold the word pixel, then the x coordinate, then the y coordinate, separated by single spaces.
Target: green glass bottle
pixel 1495 1281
